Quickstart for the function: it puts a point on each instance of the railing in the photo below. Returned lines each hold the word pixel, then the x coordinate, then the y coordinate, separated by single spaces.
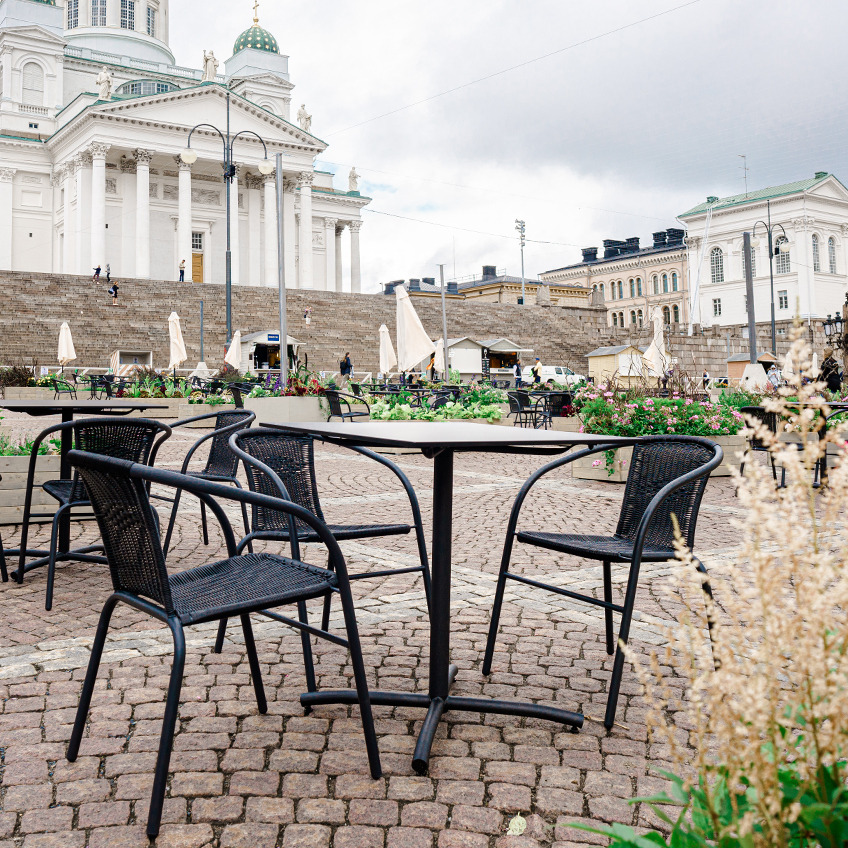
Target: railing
pixel 33 110
pixel 141 64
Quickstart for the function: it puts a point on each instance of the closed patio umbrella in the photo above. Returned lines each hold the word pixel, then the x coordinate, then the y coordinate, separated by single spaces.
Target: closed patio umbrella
pixel 66 346
pixel 655 358
pixel 178 351
pixel 439 360
pixel 815 367
pixel 233 356
pixel 388 358
pixel 413 343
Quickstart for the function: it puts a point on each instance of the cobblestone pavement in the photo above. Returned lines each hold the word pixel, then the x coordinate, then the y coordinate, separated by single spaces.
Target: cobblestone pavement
pixel 240 779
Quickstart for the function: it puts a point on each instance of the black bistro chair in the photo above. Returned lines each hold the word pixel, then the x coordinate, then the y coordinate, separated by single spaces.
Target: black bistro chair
pixel 526 412
pixel 236 586
pixel 133 439
pixel 340 406
pixel 221 463
pixel 757 415
pixel 668 475
pixel 283 465
pixel 61 386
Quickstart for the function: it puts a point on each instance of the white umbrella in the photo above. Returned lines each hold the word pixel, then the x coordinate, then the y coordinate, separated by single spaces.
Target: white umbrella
pixel 815 367
pixel 202 371
pixel 178 350
pixel 439 360
pixel 66 345
pixel 233 356
pixel 388 359
pixel 413 343
pixel 655 358
pixel 788 371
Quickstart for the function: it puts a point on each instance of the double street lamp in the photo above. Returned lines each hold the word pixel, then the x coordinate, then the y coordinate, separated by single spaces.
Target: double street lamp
pixel 266 167
pixel 773 251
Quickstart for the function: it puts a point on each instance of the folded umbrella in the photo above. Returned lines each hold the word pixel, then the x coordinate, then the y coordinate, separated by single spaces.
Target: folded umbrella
pixel 388 359
pixel 66 345
pixel 178 350
pixel 655 358
pixel 233 356
pixel 413 343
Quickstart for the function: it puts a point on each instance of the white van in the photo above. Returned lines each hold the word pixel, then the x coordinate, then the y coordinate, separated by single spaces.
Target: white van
pixel 558 373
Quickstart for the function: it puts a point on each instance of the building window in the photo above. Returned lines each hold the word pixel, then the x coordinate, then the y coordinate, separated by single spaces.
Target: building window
pixel 639 317
pixel 151 21
pixel 674 280
pixel 620 289
pixel 656 281
pixel 197 241
pixel 615 319
pixel 639 286
pixel 717 267
pixel 676 311
pixel 98 12
pixel 632 287
pixel 145 87
pixel 816 257
pixel 716 307
pixel 620 319
pixel 783 299
pixel 33 85
pixel 831 255
pixel 666 316
pixel 602 290
pixel 753 263
pixel 782 264
pixel 665 283
pixel 73 14
pixel 127 14
pixel 633 317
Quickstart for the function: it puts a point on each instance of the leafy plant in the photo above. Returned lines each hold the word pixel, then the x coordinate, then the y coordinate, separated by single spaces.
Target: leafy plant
pixel 24 448
pixel 16 376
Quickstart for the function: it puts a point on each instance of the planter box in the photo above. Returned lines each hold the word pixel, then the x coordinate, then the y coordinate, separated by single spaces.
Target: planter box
pixel 277 410
pixel 174 405
pixel 29 393
pixel 13 470
pixel 582 469
pixel 189 410
pixel 571 424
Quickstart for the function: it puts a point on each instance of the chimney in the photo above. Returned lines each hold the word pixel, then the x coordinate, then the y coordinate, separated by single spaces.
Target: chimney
pixel 590 254
pixel 632 244
pixel 490 272
pixel 659 239
pixel 453 287
pixel 610 248
pixel 430 280
pixel 674 236
pixel 414 285
pixel 390 287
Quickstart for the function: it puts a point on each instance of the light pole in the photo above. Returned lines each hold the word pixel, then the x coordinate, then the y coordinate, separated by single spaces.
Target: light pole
pixel 836 331
pixel 784 248
pixel 519 225
pixel 266 167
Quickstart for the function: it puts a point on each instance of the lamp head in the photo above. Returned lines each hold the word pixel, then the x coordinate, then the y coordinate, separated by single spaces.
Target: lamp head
pixel 783 247
pixel 266 166
pixel 189 156
pixel 755 242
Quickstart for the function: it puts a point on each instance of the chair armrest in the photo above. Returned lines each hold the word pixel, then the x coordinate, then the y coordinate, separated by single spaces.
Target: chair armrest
pixel 230 428
pixel 343 396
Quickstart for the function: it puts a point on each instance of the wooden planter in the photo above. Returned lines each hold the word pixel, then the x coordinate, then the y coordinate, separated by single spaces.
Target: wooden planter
pixel 28 393
pixel 277 410
pixel 172 410
pixel 189 410
pixel 14 470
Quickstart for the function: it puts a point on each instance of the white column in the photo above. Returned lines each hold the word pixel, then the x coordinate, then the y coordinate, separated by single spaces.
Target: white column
pixel 142 213
pixel 271 274
pixel 83 230
pixel 330 251
pixel 254 231
pixel 289 233
pixel 339 231
pixel 234 227
pixel 70 236
pixel 305 232
pixel 98 204
pixel 184 222
pixel 355 271
pixel 126 267
pixel 6 177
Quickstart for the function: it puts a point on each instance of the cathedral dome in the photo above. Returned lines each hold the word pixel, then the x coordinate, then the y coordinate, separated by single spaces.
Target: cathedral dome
pixel 257 38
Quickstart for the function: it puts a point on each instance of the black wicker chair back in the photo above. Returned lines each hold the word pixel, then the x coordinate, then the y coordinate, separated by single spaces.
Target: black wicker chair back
pixel 555 402
pixel 356 389
pixel 518 401
pixel 763 416
pixel 222 462
pixel 335 404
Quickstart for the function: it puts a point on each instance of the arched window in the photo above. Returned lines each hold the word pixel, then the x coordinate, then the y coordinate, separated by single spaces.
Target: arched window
pixel 620 319
pixel 656 281
pixel 831 255
pixel 665 282
pixel 639 286
pixel 620 289
pixel 633 317
pixel 615 319
pixel 639 317
pixel 594 288
pixel 753 262
pixel 33 91
pixel 666 315
pixel 717 265
pixel 674 280
pixel 632 287
pixel 676 311
pixel 816 257
pixel 782 264
pixel 602 290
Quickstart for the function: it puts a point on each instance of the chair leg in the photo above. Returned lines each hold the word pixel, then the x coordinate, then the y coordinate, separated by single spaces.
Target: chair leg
pixel 90 679
pixel 496 608
pixel 253 660
pixel 245 519
pixel 166 740
pixel 219 639
pixel 325 615
pixel 608 612
pixel 203 523
pixel 308 664
pixel 3 570
pixel 172 521
pixel 51 565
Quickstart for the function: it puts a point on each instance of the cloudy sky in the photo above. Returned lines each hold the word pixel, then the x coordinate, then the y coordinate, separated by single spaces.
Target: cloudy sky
pixel 588 120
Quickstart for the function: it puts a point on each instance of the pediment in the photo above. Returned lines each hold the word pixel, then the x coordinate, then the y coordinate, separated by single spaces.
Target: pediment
pixel 830 188
pixel 33 31
pixel 266 78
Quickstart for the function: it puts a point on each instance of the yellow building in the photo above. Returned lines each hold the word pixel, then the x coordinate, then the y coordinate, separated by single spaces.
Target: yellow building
pixel 623 362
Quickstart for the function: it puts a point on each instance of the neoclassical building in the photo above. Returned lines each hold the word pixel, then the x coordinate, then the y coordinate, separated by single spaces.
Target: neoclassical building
pixel 94 114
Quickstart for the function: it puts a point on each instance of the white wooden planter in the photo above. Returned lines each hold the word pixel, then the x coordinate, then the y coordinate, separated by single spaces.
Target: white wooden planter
pixel 189 410
pixel 14 470
pixel 171 410
pixel 277 410
pixel 27 393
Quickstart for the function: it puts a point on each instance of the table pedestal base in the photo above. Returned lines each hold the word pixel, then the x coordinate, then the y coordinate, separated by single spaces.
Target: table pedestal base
pixel 80 555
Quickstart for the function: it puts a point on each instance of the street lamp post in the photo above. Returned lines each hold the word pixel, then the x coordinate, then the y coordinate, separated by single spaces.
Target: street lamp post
pixel 784 248
pixel 836 331
pixel 519 225
pixel 189 156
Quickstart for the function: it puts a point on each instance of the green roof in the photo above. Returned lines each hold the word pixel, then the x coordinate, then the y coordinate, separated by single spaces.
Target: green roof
pixel 760 194
pixel 258 39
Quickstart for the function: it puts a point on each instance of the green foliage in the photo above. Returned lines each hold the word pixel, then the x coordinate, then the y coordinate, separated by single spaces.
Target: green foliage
pixel 24 448
pixel 400 408
pixel 737 398
pixel 17 376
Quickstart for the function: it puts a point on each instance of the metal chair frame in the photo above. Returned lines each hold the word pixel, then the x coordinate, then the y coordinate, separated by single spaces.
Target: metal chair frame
pixel 526 412
pixel 335 399
pixel 160 605
pixel 697 477
pixel 61 386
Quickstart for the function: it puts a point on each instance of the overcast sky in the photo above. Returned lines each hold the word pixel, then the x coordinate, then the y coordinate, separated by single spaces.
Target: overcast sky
pixel 641 112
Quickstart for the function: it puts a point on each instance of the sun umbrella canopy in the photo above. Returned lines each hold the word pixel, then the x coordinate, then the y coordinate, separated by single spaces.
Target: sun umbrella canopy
pixel 815 367
pixel 66 345
pixel 413 343
pixel 178 351
pixel 388 359
pixel 439 360
pixel 233 356
pixel 655 358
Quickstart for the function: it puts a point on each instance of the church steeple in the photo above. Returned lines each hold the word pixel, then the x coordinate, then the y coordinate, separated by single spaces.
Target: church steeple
pixel 256 38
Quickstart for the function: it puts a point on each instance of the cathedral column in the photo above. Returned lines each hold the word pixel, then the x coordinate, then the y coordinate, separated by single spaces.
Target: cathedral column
pixel 305 233
pixel 142 213
pixel 83 229
pixel 289 233
pixel 271 272
pixel 98 204
pixel 184 221
pixel 330 251
pixel 127 167
pixel 234 227
pixel 254 230
pixel 69 236
pixel 339 231
pixel 6 177
pixel 355 271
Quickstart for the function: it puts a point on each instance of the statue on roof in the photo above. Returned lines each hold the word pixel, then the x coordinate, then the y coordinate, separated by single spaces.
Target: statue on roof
pixel 210 67
pixel 104 81
pixel 353 180
pixel 304 118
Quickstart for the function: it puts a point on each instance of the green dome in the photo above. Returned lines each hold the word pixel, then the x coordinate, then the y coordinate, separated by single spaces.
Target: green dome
pixel 258 39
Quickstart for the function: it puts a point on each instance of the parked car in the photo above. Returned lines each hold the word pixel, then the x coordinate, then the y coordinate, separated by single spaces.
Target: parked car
pixel 558 373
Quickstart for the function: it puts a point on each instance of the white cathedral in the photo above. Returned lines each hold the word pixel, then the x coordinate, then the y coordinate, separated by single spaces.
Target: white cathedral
pixel 94 115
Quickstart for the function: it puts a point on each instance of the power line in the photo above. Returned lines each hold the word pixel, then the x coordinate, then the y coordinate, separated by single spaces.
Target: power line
pixel 524 64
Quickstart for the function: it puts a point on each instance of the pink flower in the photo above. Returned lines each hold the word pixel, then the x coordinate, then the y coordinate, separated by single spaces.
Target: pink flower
pixel 596 463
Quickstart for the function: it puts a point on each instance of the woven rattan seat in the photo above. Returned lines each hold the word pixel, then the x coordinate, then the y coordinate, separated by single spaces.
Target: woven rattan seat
pixel 346 531
pixel 246 583
pixel 62 490
pixel 667 478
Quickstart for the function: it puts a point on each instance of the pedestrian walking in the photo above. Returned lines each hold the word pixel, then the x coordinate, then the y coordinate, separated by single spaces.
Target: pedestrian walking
pixel 829 373
pixel 182 270
pixel 706 379
pixel 96 277
pixel 114 292
pixel 516 370
pixel 536 371
pixel 346 368
pixel 108 273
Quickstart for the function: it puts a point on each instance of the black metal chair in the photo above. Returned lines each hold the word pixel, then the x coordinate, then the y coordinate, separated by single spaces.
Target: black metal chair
pixel 770 420
pixel 236 586
pixel 221 463
pixel 340 406
pixel 526 412
pixel 61 386
pixel 356 388
pixel 556 403
pixel 283 465
pixel 134 439
pixel 668 475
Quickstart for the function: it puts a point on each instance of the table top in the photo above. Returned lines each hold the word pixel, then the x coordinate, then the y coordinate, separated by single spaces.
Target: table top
pixel 448 434
pixel 45 407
